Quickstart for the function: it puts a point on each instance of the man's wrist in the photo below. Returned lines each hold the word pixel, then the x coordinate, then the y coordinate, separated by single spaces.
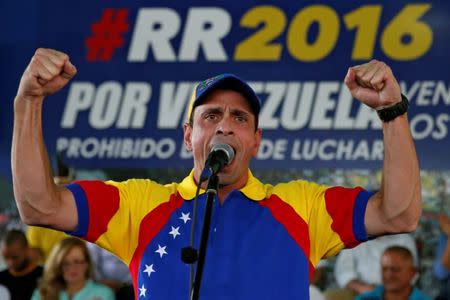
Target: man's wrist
pixel 387 114
pixel 27 101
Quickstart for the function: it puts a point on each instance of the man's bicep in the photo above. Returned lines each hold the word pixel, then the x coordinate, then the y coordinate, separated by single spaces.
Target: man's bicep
pixel 66 214
pixel 373 218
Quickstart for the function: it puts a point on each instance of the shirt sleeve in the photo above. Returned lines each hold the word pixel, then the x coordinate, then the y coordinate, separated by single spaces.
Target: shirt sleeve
pixel 336 220
pixel 334 216
pixel 347 209
pixel 110 213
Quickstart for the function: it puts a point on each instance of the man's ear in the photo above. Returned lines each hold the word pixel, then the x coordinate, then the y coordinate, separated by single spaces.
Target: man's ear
pixel 187 129
pixel 413 280
pixel 258 137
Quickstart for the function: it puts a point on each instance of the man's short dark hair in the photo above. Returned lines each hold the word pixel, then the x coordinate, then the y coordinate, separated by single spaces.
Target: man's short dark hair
pixel 403 251
pixel 15 236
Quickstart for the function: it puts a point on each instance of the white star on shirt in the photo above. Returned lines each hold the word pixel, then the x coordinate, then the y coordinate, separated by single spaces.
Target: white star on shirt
pixel 185 217
pixel 149 269
pixel 142 291
pixel 175 232
pixel 161 250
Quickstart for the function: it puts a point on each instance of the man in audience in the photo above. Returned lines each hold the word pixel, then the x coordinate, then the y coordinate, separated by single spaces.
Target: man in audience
pixel 398 276
pixel 358 270
pixel 21 274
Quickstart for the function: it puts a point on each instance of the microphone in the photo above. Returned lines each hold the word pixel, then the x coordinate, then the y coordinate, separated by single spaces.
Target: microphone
pixel 219 156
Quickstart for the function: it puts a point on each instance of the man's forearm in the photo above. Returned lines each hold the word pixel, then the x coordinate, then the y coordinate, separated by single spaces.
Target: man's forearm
pixel 400 189
pixel 33 184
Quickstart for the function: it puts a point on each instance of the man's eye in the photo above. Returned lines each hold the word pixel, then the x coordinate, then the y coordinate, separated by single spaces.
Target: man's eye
pixel 241 119
pixel 210 117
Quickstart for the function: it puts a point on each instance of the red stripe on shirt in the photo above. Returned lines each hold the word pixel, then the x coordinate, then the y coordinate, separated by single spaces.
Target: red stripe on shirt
pixel 103 202
pixel 150 226
pixel 294 224
pixel 339 202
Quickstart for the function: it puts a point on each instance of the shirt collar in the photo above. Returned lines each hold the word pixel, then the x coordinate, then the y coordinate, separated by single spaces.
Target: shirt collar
pixel 253 189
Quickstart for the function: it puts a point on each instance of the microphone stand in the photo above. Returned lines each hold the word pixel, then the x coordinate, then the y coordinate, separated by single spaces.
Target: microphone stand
pixel 211 192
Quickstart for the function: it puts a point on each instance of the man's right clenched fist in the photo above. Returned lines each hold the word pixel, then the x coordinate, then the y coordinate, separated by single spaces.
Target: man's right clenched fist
pixel 48 71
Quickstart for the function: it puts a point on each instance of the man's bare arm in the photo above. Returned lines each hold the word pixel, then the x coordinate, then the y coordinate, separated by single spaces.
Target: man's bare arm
pixel 397 206
pixel 39 199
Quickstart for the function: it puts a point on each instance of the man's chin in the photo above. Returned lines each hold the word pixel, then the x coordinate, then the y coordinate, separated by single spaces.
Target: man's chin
pixel 391 288
pixel 225 180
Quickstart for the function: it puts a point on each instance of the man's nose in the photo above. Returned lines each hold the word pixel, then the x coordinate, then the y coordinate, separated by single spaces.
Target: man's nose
pixel 225 126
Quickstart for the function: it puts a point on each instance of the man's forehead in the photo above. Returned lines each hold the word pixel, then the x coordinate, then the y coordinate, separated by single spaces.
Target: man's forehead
pixel 15 244
pixel 228 82
pixel 13 248
pixel 226 99
pixel 396 259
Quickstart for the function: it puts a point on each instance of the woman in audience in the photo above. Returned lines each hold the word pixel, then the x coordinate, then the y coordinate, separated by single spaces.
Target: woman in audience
pixel 68 274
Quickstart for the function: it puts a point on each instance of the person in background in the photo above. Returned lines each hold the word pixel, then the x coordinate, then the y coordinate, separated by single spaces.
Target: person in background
pixel 112 272
pixel 69 274
pixel 22 274
pixel 398 276
pixel 441 266
pixel 358 270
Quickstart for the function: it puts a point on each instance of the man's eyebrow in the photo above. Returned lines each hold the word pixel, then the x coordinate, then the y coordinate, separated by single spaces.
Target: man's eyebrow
pixel 239 112
pixel 213 110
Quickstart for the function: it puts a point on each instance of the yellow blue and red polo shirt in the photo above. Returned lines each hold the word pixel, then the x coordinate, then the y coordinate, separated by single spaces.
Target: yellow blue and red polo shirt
pixel 264 242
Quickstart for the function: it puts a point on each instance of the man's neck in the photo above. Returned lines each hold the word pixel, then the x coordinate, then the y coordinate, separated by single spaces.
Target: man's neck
pixel 398 295
pixel 24 271
pixel 223 190
pixel 223 193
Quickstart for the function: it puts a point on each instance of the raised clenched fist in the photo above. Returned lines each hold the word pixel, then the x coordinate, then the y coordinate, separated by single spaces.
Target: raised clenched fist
pixel 48 71
pixel 373 84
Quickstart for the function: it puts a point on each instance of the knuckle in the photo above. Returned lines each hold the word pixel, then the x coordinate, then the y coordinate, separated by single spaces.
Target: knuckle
pixel 366 78
pixel 35 62
pixel 64 56
pixel 39 51
pixel 58 62
pixel 359 73
pixel 375 81
pixel 388 69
